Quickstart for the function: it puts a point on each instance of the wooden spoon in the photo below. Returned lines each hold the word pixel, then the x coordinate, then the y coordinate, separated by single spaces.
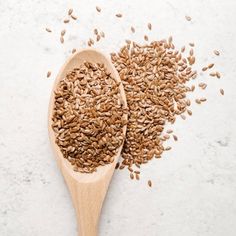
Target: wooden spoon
pixel 87 190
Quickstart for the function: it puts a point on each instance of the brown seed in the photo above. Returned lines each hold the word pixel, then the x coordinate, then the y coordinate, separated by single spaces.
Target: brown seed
pixel 62 39
pixel 198 101
pixel 183 49
pixel 202 85
pixel 73 17
pixel 169 131
pixel 137 176
pixel 210 65
pixel 204 68
pixel 188 18
pixel 218 75
pixel 146 37
pixel 131 175
pixel 119 15
pixel 192 88
pixel 66 21
pixel 150 183
pixel 191 52
pixel 48 74
pixel 189 112
pixel 117 165
pixel 149 26
pixel 167 148
pixel 63 32
pixel 217 53
pixel 98 9
pixel 175 137
pixel 98 37
pixel 213 74
pixel 70 11
pixel 73 50
pixel 222 91
pixel 191 44
pixel 132 29
pixel 102 34
pixel 48 30
pixel 183 117
pixel 95 31
pixel 203 99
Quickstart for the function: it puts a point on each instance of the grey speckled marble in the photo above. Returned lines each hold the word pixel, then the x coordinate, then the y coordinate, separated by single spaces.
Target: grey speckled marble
pixel 194 184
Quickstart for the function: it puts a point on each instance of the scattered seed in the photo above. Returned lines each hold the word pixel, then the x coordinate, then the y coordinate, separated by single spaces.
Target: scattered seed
pixel 117 165
pixel 49 74
pixel 191 44
pixel 102 34
pixel 73 17
pixel 218 75
pixel 131 176
pixel 137 176
pixel 183 117
pixel 204 68
pixel 169 131
pixel 48 30
pixel 217 53
pixel 183 49
pixel 150 183
pixel 73 50
pixel 188 18
pixel 132 29
pixel 98 37
pixel 213 74
pixel 62 39
pixel 202 85
pixel 70 11
pixel 146 37
pixel 198 101
pixel 189 112
pixel 222 91
pixel 149 26
pixel 210 65
pixel 175 137
pixel 63 32
pixel 192 88
pixel 98 9
pixel 95 31
pixel 203 99
pixel 66 21
pixel 191 52
pixel 166 136
pixel 119 15
pixel 167 148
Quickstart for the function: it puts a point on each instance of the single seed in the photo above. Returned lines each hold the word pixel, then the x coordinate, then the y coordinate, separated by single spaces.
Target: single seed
pixel 198 101
pixel 62 39
pixel 217 53
pixel 66 21
pixel 119 15
pixel 192 88
pixel 210 65
pixel 149 26
pixel 202 85
pixel 98 37
pixel 102 34
pixel 63 32
pixel 167 148
pixel 95 31
pixel 222 91
pixel 98 9
pixel 70 11
pixel 189 112
pixel 213 74
pixel 183 117
pixel 73 17
pixel 132 29
pixel 150 183
pixel 146 37
pixel 48 30
pixel 204 68
pixel 117 165
pixel 73 50
pixel 188 18
pixel 166 136
pixel 175 137
pixel 218 75
pixel 203 99
pixel 191 44
pixel 169 131
pixel 183 49
pixel 48 74
pixel 131 175
pixel 137 176
pixel 191 52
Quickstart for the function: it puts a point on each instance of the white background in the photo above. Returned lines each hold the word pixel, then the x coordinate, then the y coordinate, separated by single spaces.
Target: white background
pixel 194 184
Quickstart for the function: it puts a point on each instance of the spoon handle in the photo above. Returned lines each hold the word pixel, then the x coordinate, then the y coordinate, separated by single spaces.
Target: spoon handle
pixel 87 199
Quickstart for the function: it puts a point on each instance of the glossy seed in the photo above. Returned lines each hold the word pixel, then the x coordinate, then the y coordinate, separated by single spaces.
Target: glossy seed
pixel 150 183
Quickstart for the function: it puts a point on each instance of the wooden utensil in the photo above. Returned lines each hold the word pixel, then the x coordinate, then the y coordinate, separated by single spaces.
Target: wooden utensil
pixel 87 190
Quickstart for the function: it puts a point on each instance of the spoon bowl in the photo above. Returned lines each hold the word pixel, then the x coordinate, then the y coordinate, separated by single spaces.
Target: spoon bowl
pixel 88 190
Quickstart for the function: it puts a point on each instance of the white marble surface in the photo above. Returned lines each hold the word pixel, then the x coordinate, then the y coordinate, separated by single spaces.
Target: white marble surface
pixel 194 184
